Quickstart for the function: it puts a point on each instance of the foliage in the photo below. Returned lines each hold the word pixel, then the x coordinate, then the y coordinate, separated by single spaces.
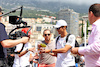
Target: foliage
pixel 82 30
pixel 32 13
pixel 87 26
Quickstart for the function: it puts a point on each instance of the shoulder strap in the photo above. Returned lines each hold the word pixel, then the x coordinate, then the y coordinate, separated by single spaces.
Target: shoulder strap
pixel 56 41
pixel 20 50
pixel 67 37
pixel 76 43
pixel 58 38
pixel 22 47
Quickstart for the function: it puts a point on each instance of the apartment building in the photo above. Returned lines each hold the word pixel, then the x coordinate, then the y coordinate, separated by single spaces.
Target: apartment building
pixel 72 19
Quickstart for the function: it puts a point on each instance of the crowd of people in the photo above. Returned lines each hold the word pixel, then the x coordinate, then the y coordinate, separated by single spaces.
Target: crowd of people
pixel 58 53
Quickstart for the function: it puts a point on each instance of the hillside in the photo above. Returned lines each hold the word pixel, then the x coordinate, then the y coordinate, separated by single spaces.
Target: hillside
pixel 33 7
pixel 38 5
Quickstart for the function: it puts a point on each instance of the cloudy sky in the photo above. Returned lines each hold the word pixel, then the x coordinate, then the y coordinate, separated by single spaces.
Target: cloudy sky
pixel 79 2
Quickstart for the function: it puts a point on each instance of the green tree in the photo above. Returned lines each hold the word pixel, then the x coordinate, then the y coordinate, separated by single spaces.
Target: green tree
pixel 87 27
pixel 82 30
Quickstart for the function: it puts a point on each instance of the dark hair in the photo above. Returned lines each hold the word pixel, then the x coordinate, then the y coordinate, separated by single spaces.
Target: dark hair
pixel 95 8
pixel 46 30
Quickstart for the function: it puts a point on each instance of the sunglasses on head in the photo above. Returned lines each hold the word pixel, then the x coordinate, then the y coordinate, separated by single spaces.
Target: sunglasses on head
pixel 46 34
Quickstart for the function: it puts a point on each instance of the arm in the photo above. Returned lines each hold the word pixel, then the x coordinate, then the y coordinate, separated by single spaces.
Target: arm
pixel 24 52
pixel 7 43
pixel 62 50
pixel 31 56
pixel 90 49
pixel 75 51
pixel 35 57
pixel 53 54
pixel 11 43
pixel 94 44
pixel 70 43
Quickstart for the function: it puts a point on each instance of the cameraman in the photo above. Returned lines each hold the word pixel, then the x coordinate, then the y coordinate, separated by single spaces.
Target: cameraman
pixel 5 42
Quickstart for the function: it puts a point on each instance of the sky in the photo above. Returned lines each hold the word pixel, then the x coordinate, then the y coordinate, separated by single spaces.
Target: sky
pixel 78 2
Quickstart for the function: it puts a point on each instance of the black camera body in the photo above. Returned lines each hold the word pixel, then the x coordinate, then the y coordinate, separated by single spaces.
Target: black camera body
pixel 15 20
pixel 16 35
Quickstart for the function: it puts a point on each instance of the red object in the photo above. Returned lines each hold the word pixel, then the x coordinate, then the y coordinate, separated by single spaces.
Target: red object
pixel 25 31
pixel 45 65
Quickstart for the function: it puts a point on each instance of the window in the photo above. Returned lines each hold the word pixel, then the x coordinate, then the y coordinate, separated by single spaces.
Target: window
pixel 38 28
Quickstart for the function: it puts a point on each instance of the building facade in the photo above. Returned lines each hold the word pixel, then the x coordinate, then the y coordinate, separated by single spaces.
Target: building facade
pixel 72 19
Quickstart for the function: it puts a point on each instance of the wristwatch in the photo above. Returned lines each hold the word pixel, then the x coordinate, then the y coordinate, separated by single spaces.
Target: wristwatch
pixel 27 50
pixel 51 51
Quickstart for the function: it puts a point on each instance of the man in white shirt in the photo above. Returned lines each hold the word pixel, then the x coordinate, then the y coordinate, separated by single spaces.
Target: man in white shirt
pixel 62 51
pixel 22 59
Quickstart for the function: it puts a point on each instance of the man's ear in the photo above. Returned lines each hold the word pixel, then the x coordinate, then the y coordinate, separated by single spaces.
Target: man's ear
pixel 91 13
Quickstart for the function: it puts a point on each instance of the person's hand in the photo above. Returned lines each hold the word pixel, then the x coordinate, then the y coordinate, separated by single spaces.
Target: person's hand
pixel 36 62
pixel 39 46
pixel 47 51
pixel 31 49
pixel 25 39
pixel 44 51
pixel 52 54
pixel 36 57
pixel 75 50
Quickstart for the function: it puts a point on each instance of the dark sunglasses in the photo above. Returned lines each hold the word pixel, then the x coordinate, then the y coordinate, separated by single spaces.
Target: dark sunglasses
pixel 46 34
pixel 59 27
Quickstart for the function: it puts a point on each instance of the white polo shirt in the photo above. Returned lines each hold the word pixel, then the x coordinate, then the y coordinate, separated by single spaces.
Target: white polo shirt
pixel 65 59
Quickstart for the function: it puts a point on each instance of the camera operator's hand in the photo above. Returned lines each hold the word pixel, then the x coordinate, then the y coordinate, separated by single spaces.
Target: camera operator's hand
pixel 25 39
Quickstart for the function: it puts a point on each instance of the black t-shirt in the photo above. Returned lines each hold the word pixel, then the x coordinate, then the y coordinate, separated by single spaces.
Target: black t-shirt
pixel 3 36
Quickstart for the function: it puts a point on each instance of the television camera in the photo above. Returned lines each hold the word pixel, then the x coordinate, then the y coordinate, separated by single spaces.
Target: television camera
pixel 15 20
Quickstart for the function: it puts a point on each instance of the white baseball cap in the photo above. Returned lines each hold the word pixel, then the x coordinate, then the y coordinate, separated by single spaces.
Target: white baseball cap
pixel 60 23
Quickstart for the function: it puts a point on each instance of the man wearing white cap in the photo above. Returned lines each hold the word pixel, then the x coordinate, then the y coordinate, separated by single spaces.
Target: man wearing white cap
pixel 62 51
